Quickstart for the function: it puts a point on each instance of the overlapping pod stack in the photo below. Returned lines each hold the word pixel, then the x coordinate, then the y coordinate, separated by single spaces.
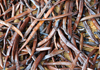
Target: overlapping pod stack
pixel 49 34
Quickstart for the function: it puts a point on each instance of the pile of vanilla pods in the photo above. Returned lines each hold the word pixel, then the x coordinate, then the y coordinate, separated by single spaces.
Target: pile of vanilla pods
pixel 49 34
